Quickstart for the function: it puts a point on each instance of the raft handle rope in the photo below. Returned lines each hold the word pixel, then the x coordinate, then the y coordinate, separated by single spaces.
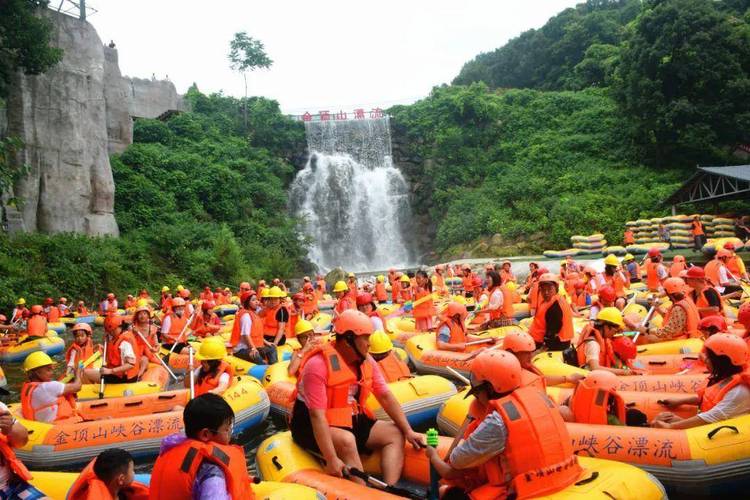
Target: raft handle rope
pixel 594 476
pixel 711 434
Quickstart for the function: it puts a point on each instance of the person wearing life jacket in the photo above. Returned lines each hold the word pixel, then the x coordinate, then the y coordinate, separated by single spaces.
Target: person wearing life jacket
pixel 734 263
pixel 699 236
pixel 506 273
pixel 381 350
pixel 405 290
pixel 214 374
pixel 727 393
pixel 614 277
pixel 165 296
pixel 424 305
pixel 579 299
pixel 43 398
pixel 330 416
pixel 656 273
pixel 595 401
pixel 109 476
pixel 63 307
pixel 20 310
pixel 275 319
pixel 14 473
pixel 594 350
pixel 393 281
pixel 36 325
pixel 201 463
pixel 295 312
pixel 533 295
pixel 343 301
pixel 175 327
pixel 451 331
pixel 552 325
pixel 705 297
pixel 594 280
pixel 122 358
pixel 304 332
pixel 681 320
pixel 628 238
pixel 129 303
pixel 310 302
pixel 108 306
pixel 185 295
pixel 438 280
pixel 320 287
pixel 206 294
pixel 678 265
pixel 605 298
pixel 277 282
pixel 381 294
pixel 499 309
pixel 366 305
pixel 522 346
pixel 146 336
pixel 533 267
pixel 51 311
pixel 81 349
pixel 246 339
pixel 727 283
pixel 81 309
pixel 467 281
pixel 515 432
pixel 632 268
pixel 206 323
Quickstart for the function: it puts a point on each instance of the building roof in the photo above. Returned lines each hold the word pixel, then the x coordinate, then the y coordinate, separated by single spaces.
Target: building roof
pixel 713 184
pixel 741 172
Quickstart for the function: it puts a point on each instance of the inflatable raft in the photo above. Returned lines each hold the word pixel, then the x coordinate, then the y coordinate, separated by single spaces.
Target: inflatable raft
pixel 58 327
pixel 280 459
pixel 225 310
pixel 420 397
pixel 154 379
pixel 134 423
pixel 179 362
pixel 17 352
pixel 89 319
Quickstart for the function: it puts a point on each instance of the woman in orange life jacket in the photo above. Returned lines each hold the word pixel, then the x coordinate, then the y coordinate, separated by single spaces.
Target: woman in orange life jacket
pixel 43 398
pixel 246 339
pixel 148 350
pixel 506 272
pixel 109 476
pixel 214 374
pixel 699 236
pixel 81 308
pixel 595 350
pixel 727 393
pixel 516 446
pixel 533 267
pixel 656 273
pixel 174 327
pixel 499 308
pixel 227 296
pixel 615 278
pixel 381 350
pixel 14 435
pixel 121 356
pixel 275 320
pixel 366 305
pixel 595 401
pixel 678 265
pixel 681 320
pixel 310 303
pixel 552 325
pixel 200 463
pixel 381 294
pixel 451 331
pixel 206 294
pixel 605 298
pixel 343 428
pixel 425 310
pixel 343 301
pixel 206 323
pixel 579 298
pixel 522 346
pixel 81 349
pixel 705 297
pixel 734 264
pixel 405 292
pixel 305 334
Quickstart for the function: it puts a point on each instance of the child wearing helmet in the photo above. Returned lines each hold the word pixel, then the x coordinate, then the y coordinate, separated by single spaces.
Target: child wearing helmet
pixel 681 320
pixel 123 358
pixel 381 349
pixel 727 393
pixel 146 336
pixel 305 334
pixel 605 298
pixel 214 375
pixel 405 292
pixel 43 398
pixel 501 447
pixel 451 332
pixel 15 474
pixel 343 301
pixel 81 349
pixel 324 418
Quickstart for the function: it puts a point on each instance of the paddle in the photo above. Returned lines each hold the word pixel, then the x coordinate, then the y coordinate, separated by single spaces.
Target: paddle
pixel 104 365
pixel 192 372
pixel 457 375
pixel 646 319
pixel 410 305
pixel 184 328
pixel 91 359
pixel 171 373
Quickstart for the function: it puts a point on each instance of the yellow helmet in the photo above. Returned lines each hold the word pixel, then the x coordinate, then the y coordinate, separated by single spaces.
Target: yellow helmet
pixel 380 343
pixel 276 293
pixel 350 275
pixel 211 348
pixel 611 315
pixel 303 327
pixel 460 299
pixel 265 293
pixel 164 289
pixel 511 286
pixel 628 256
pixel 21 302
pixel 611 260
pixel 380 278
pixel 180 288
pixel 340 286
pixel 37 359
pixel 141 303
pixel 404 279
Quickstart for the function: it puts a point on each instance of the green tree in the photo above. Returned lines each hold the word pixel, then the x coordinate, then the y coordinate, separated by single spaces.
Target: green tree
pixel 247 54
pixel 683 82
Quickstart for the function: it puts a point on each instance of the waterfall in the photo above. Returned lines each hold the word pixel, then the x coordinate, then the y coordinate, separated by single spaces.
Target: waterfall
pixel 353 202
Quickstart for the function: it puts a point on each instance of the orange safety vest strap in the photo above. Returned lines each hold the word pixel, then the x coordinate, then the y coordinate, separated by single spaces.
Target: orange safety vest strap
pixel 209 383
pixel 591 406
pixel 393 368
pixel 10 458
pixel 711 395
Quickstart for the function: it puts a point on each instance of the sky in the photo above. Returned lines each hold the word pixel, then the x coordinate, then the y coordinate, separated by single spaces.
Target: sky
pixel 328 54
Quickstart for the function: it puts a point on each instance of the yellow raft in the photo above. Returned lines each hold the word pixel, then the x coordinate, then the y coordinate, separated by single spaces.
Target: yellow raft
pixel 279 459
pixel 17 352
pixel 154 379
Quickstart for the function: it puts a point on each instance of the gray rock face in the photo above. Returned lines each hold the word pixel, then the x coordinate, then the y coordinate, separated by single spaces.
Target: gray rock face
pixel 116 97
pixel 62 118
pixel 151 98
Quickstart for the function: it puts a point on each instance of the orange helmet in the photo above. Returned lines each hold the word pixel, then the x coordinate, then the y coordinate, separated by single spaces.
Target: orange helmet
pixel 674 285
pixel 501 369
pixel 579 285
pixel 729 345
pixel 178 302
pixel 548 278
pixel 713 321
pixel 624 348
pixel 82 326
pixel 112 322
pixel 607 294
pixel 363 299
pixel 723 253
pixel 455 308
pixel 208 305
pixel 654 252
pixel 36 309
pixel 353 321
pixel 185 293
pixel 743 315
pixel 519 341
pixel 600 379
pixel 678 258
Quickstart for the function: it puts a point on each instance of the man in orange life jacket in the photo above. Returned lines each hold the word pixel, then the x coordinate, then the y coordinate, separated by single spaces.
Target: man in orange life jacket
pixel 656 273
pixel 381 350
pixel 727 394
pixel 467 281
pixel 36 325
pixel 122 358
pixel 517 444
pixel 15 475
pixel 699 236
pixel 595 401
pixel 330 416
pixel 110 476
pixel 681 320
pixel 705 297
pixel 553 320
pixel 42 398
pixel 201 463
pixel 174 327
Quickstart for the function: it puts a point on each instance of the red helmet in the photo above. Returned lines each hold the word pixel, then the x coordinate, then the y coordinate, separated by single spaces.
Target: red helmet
pixel 364 298
pixel 654 252
pixel 713 321
pixel 674 285
pixel 695 272
pixel 353 321
pixel 729 246
pixel 455 308
pixel 246 295
pixel 207 305
pixel 501 369
pixel 743 315
pixel 729 345
pixel 624 348
pixel 607 294
pixel 48 301
pixel 36 309
pixel 519 341
pixel 298 296
pixel 579 285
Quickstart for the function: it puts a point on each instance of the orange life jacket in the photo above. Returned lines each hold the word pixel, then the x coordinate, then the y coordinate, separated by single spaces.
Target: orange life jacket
pixel 343 304
pixel 676 268
pixel 606 352
pixel 702 301
pixel 539 324
pixel 693 317
pixel 652 276
pixel 88 486
pixel 712 271
pixel 506 311
pixel 66 404
pixel 151 337
pixel 114 359
pixel 36 326
pixel 11 460
pixel 697 228
pixel 538 456
pixel 628 237
pixel 533 378
pixel 176 325
pixel 425 309
pixel 506 276
pixel 393 368
pixel 711 395
pixel 209 383
pixel 405 295
pixel 310 305
pixel 467 282
pixel 256 329
pixel 735 266
pixel 271 324
pixel 341 377
pixel 381 295
pixel 439 283
pixel 130 304
pixel 206 296
pixel 590 406
pixel 616 281
pixel 458 334
pixel 533 297
pixel 174 472
pixel 202 328
pixel 82 311
pixel 82 353
pixel 53 315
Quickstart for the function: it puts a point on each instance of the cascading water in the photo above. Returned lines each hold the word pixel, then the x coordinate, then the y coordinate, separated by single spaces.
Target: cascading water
pixel 353 201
